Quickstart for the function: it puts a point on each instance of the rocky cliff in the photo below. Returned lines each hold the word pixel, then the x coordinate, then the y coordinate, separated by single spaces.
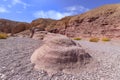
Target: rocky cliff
pixel 102 21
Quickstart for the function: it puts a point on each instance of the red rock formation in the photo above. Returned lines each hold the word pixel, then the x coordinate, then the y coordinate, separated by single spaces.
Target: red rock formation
pixel 20 27
pixel 13 27
pixel 102 21
pixel 41 23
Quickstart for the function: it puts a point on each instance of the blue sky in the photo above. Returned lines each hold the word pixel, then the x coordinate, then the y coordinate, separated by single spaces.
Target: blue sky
pixel 28 10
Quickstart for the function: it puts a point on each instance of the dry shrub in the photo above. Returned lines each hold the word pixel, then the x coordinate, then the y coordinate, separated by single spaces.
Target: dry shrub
pixel 94 39
pixel 3 35
pixel 105 39
pixel 77 38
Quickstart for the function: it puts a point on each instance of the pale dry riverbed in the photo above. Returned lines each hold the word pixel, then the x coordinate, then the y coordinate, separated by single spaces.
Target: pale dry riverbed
pixel 15 61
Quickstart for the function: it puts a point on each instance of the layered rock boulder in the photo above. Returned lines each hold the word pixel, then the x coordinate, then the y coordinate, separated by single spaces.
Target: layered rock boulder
pixel 60 53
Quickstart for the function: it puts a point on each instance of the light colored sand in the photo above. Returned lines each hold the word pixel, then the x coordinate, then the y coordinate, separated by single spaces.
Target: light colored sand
pixel 15 61
pixel 108 56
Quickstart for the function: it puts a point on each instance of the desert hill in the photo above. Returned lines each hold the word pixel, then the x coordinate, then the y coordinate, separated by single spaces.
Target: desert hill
pixel 102 21
pixel 9 26
pixel 41 23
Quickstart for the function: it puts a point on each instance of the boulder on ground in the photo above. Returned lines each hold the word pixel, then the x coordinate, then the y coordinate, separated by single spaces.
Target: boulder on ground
pixel 39 35
pixel 60 53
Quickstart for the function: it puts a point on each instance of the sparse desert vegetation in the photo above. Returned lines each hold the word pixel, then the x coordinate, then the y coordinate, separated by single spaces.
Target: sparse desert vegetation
pixel 93 39
pixel 3 35
pixel 105 39
pixel 77 38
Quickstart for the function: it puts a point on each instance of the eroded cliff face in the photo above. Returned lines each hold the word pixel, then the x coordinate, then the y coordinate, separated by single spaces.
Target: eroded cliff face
pixel 13 27
pixel 102 21
pixel 99 22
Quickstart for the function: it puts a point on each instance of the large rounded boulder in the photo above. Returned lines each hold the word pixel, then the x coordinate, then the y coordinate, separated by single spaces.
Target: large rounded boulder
pixel 60 53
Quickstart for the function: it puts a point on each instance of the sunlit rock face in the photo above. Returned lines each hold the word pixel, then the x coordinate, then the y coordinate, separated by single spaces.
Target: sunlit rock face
pixel 101 21
pixel 60 53
pixel 9 26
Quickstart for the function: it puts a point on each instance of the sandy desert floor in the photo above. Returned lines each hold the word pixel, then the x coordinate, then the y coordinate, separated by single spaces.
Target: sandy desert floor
pixel 15 61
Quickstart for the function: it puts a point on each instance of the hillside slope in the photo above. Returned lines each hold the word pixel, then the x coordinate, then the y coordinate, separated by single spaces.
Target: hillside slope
pixel 102 21
pixel 9 26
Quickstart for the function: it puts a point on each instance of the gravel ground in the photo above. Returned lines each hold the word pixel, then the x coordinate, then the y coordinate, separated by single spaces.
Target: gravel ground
pixel 15 61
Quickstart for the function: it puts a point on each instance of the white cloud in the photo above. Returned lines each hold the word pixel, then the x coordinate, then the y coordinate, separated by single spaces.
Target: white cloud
pixel 3 10
pixel 51 14
pixel 72 10
pixel 15 2
pixel 77 9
